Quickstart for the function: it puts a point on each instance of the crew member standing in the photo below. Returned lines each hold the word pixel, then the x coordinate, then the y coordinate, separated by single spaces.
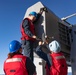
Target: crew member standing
pixel 16 63
pixel 59 66
pixel 28 33
pixel 58 62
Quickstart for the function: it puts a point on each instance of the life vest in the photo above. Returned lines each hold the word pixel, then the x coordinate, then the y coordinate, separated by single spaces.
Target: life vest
pixel 16 65
pixel 59 66
pixel 31 28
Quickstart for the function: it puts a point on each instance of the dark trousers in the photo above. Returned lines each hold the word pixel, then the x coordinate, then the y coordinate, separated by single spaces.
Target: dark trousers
pixel 27 47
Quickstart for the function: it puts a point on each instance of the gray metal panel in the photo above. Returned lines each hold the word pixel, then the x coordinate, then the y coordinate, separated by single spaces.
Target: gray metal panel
pixel 52 29
pixel 51 25
pixel 73 50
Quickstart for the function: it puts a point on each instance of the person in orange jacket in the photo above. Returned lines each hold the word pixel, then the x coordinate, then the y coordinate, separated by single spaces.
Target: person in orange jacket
pixel 16 63
pixel 58 62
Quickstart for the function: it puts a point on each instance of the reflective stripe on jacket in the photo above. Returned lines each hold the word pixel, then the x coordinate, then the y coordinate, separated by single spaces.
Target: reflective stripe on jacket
pixel 31 28
pixel 16 65
pixel 59 66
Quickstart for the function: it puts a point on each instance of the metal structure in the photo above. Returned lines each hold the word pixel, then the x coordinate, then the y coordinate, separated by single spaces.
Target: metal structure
pixel 61 30
pixel 65 18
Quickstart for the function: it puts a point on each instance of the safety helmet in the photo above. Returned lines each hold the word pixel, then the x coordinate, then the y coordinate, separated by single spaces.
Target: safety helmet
pixel 14 46
pixel 55 46
pixel 33 13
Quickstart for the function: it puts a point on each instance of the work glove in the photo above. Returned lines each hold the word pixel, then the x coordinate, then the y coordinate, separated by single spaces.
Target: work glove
pixel 43 9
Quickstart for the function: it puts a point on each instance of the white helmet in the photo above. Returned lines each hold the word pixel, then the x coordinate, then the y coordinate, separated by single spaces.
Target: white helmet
pixel 54 46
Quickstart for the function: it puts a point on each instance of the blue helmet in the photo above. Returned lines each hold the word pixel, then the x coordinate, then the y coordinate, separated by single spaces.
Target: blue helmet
pixel 33 13
pixel 55 46
pixel 14 46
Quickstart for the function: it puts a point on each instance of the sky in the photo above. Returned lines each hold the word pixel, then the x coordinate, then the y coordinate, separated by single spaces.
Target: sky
pixel 12 13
